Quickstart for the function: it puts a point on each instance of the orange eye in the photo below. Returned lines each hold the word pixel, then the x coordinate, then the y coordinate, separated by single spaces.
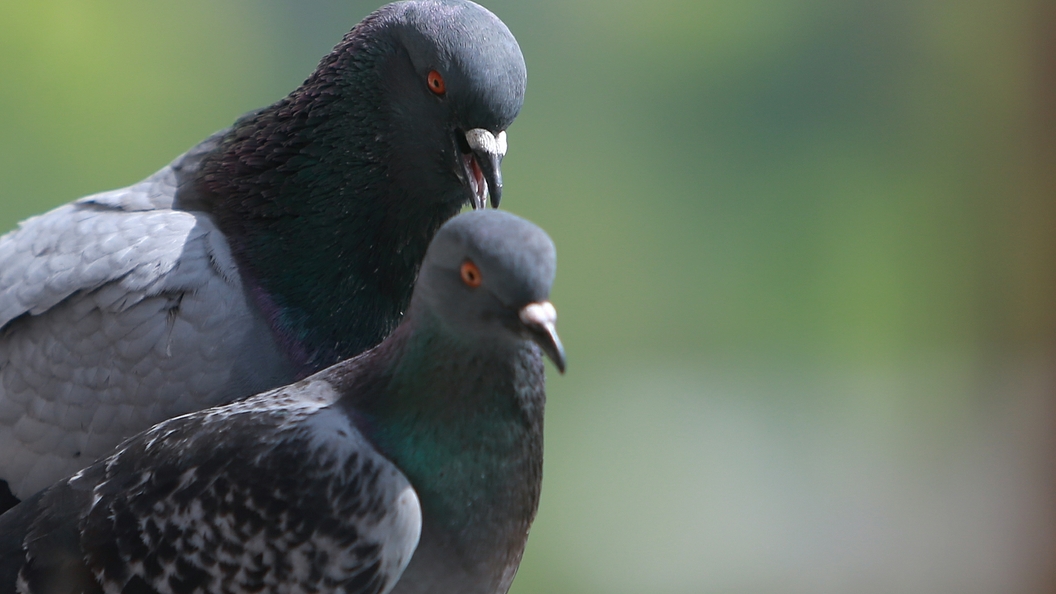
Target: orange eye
pixel 436 83
pixel 471 274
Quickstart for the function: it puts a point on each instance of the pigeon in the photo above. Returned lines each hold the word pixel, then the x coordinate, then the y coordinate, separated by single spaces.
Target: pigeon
pixel 422 456
pixel 273 249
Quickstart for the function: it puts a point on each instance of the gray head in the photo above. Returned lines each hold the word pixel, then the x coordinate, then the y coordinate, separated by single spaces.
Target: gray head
pixel 488 274
pixel 467 72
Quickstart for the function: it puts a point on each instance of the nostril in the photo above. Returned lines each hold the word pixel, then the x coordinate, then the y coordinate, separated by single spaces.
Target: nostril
pixel 463 144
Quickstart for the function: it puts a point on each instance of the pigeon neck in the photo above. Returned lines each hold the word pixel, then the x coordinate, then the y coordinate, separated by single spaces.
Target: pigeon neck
pixel 315 198
pixel 464 424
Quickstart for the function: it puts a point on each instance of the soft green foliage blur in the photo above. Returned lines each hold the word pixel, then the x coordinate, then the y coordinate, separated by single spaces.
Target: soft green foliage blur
pixel 806 263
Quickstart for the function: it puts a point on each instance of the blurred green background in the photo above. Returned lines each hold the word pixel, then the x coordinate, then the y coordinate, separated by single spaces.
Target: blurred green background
pixel 807 263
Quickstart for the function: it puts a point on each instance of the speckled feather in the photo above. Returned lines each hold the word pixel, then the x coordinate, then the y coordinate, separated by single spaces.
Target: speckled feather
pixel 278 493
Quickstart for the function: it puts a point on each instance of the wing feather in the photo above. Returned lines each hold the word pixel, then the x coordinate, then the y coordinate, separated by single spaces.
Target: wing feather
pixel 279 493
pixel 118 311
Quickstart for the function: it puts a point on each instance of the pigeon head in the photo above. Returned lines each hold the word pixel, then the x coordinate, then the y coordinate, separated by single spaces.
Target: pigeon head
pixel 487 275
pixel 456 84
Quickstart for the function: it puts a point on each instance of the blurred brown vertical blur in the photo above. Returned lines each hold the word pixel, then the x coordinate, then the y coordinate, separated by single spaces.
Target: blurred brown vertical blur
pixel 1037 216
pixel 1040 232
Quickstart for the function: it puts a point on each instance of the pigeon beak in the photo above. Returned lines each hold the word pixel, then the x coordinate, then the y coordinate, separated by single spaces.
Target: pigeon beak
pixel 487 152
pixel 540 319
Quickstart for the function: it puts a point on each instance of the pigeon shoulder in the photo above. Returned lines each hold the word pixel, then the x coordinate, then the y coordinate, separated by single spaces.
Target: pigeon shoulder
pixel 105 299
pixel 132 237
pixel 278 492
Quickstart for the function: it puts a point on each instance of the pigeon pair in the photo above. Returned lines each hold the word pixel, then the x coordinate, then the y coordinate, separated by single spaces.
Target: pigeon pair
pixel 268 254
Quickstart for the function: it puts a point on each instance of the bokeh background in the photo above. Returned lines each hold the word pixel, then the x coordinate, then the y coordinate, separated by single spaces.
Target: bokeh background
pixel 807 263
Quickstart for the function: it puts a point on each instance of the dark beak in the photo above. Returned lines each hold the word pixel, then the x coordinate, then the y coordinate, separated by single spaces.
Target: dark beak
pixel 488 150
pixel 489 166
pixel 540 319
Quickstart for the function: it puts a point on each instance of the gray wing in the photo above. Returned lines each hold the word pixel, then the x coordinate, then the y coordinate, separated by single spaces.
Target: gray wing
pixel 117 312
pixel 279 493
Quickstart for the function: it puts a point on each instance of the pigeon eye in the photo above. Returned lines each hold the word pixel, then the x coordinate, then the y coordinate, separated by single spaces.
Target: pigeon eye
pixel 471 274
pixel 436 83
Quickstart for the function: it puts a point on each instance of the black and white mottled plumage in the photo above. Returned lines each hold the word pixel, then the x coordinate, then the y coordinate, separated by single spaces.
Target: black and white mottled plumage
pixel 433 438
pixel 278 493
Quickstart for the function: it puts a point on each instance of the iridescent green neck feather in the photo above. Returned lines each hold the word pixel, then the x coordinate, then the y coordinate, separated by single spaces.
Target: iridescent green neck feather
pixel 464 422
